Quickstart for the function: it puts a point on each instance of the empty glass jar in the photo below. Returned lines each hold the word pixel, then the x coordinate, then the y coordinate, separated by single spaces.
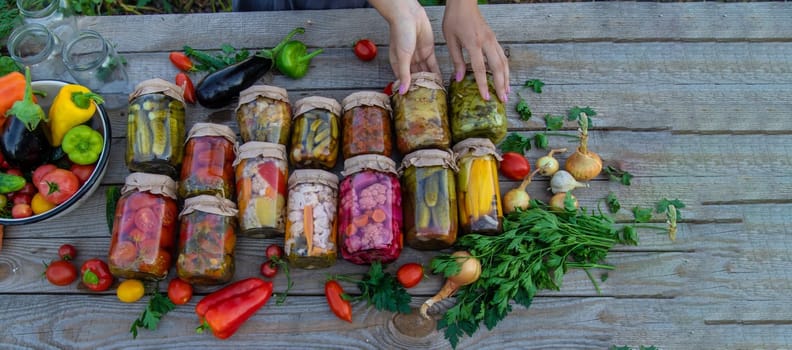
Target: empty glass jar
pixel 35 46
pixel 53 14
pixel 93 62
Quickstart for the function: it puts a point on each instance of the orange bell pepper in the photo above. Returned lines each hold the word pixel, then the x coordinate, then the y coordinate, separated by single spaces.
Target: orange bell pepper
pixel 12 89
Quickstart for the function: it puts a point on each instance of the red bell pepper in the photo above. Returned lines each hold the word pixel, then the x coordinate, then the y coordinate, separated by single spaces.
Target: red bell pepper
pixel 96 275
pixel 225 310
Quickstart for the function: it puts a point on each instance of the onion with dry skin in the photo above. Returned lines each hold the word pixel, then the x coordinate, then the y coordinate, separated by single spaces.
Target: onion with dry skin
pixel 557 201
pixel 584 164
pixel 547 164
pixel 469 272
pixel 518 197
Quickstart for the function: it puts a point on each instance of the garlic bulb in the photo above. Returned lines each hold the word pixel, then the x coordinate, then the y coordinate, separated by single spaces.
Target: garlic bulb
pixel 563 181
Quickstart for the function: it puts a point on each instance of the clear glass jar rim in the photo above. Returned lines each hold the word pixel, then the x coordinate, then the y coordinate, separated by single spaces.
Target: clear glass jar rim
pixel 83 35
pixel 31 29
pixel 53 5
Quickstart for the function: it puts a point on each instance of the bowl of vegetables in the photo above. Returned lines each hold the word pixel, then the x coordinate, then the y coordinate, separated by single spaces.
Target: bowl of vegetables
pixel 52 165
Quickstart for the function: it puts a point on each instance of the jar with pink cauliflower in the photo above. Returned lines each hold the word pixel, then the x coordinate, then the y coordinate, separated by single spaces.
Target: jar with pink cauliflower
pixel 370 216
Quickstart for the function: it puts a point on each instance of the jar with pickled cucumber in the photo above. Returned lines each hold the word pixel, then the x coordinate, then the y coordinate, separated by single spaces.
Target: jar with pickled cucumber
pixel 261 173
pixel 311 226
pixel 471 115
pixel 370 214
pixel 315 134
pixel 208 162
pixel 155 128
pixel 420 116
pixel 144 228
pixel 478 190
pixel 264 114
pixel 207 238
pixel 429 204
pixel 367 124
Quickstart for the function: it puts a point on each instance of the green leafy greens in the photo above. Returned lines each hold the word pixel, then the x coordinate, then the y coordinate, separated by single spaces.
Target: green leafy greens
pixel 159 304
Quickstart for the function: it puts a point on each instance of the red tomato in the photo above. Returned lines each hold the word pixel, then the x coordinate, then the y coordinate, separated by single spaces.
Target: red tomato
pixel 21 198
pixel 186 83
pixel 123 254
pixel 96 275
pixel 141 200
pixel 273 250
pixel 21 210
pixel 269 269
pixel 388 90
pixel 14 171
pixel 67 252
pixel 29 189
pixel 42 170
pixel 58 185
pixel 365 49
pixel 181 61
pixel 179 291
pixel 515 166
pixel 61 273
pixel 146 220
pixel 83 172
pixel 410 274
pixel 341 307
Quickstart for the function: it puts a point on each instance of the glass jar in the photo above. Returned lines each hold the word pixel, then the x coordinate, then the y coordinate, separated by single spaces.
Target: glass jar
pixel 264 114
pixel 155 128
pixel 472 116
pixel 478 190
pixel 314 140
pixel 370 215
pixel 144 228
pixel 311 227
pixel 367 124
pixel 261 173
pixel 35 46
pixel 207 238
pixel 429 199
pixel 208 162
pixel 420 115
pixel 93 62
pixel 53 14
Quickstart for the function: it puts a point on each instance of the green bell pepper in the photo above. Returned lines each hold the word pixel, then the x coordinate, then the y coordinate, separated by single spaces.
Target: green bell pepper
pixel 83 144
pixel 293 59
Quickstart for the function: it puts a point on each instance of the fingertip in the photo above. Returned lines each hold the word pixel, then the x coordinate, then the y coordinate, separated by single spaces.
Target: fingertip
pixel 459 76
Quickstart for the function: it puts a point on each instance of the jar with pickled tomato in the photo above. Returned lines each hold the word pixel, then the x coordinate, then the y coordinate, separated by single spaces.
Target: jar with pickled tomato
pixel 370 214
pixel 208 162
pixel 471 115
pixel 261 173
pixel 315 133
pixel 264 114
pixel 207 238
pixel 478 190
pixel 420 116
pixel 311 226
pixel 144 228
pixel 367 124
pixel 429 199
pixel 155 128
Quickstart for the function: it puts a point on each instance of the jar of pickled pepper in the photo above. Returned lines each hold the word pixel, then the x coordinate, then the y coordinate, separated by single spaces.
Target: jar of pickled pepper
pixel 478 190
pixel 311 226
pixel 155 128
pixel 429 199
pixel 473 117
pixel 370 215
pixel 315 134
pixel 208 162
pixel 264 114
pixel 144 228
pixel 367 124
pixel 207 238
pixel 420 116
pixel 261 173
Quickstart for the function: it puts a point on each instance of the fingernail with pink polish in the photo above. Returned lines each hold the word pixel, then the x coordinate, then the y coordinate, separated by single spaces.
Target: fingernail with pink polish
pixel 487 96
pixel 459 76
pixel 505 98
pixel 402 89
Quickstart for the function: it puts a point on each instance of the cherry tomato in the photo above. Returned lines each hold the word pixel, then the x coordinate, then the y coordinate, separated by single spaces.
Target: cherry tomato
pixel 22 198
pixel 29 189
pixel 42 170
pixel 40 205
pixel 14 171
pixel 3 200
pixel 410 274
pixel 181 61
pixel 67 252
pixel 269 269
pixel 146 220
pixel 365 49
pixel 141 200
pixel 58 185
pixel 186 83
pixel 96 275
pixel 179 291
pixel 388 90
pixel 22 210
pixel 273 250
pixel 515 166
pixel 335 299
pixel 61 273
pixel 83 172
pixel 130 291
pixel 123 254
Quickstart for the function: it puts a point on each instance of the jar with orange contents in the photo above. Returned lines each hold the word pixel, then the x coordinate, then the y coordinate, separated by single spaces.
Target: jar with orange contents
pixel 367 124
pixel 261 174
pixel 208 162
pixel 207 238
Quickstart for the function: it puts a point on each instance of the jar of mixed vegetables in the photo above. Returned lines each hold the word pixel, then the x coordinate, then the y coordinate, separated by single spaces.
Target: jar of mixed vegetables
pixel 370 215
pixel 261 173
pixel 311 226
pixel 430 202
pixel 208 162
pixel 367 124
pixel 155 128
pixel 144 228
pixel 315 134
pixel 264 114
pixel 471 115
pixel 207 238
pixel 420 116
pixel 478 190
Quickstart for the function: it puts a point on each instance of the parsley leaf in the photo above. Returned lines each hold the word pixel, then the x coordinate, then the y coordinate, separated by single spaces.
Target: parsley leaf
pixel 383 290
pixel 616 174
pixel 535 85
pixel 613 202
pixel 642 214
pixel 159 304
pixel 523 109
pixel 554 122
pixel 574 113
pixel 515 143
pixel 540 141
pixel 662 206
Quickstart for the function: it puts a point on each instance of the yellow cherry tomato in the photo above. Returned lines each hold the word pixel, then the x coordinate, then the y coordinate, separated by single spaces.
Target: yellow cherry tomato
pixel 39 204
pixel 130 291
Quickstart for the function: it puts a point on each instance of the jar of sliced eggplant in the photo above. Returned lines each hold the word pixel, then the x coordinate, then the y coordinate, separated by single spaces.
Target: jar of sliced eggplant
pixel 471 115
pixel 420 116
pixel 208 162
pixel 261 173
pixel 264 114
pixel 315 134
pixel 429 202
pixel 207 238
pixel 311 226
pixel 367 124
pixel 155 128
pixel 478 190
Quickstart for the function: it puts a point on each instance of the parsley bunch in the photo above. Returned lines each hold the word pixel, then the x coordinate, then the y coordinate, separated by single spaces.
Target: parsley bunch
pixel 381 289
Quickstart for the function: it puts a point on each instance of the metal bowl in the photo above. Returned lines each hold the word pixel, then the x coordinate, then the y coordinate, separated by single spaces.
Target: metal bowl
pixel 101 123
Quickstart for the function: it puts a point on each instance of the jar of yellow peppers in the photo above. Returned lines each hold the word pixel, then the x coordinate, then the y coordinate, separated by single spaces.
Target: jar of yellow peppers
pixel 478 191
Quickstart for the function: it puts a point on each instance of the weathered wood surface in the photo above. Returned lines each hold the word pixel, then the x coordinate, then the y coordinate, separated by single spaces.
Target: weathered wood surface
pixel 693 99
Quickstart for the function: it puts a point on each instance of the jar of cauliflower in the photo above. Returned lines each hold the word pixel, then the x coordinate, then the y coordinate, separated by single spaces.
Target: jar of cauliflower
pixel 310 241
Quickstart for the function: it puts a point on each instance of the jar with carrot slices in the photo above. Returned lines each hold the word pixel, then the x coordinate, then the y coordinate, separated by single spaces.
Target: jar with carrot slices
pixel 311 225
pixel 370 215
pixel 208 162
pixel 315 134
pixel 478 190
pixel 207 238
pixel 144 228
pixel 367 124
pixel 264 114
pixel 261 173
pixel 420 116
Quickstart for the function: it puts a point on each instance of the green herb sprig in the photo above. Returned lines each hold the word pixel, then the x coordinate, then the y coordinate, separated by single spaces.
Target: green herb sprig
pixel 158 305
pixel 381 289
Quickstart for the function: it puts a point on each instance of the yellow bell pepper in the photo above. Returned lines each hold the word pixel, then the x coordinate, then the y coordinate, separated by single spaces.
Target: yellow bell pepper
pixel 74 105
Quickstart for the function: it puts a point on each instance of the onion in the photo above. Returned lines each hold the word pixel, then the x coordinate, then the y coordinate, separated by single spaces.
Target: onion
pixel 469 272
pixel 563 181
pixel 584 165
pixel 518 197
pixel 547 164
pixel 557 201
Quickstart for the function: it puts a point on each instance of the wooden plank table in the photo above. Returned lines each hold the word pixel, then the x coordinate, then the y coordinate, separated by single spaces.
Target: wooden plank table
pixel 693 98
